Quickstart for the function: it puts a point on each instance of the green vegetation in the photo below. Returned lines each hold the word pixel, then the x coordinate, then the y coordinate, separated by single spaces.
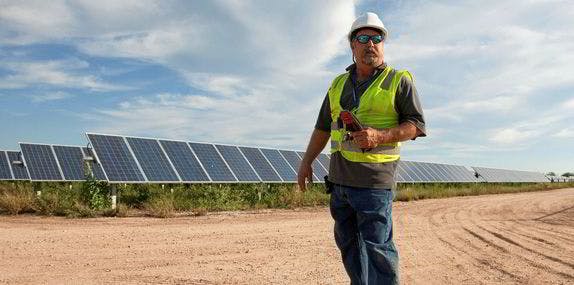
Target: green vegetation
pixel 408 192
pixel 92 198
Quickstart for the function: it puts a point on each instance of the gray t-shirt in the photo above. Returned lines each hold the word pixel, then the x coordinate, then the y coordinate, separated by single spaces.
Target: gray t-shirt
pixel 370 175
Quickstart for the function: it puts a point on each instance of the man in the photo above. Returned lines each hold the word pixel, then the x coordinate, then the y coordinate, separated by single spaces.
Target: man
pixel 363 163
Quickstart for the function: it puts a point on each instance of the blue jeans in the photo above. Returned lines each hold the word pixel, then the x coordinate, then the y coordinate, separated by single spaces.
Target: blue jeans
pixel 364 234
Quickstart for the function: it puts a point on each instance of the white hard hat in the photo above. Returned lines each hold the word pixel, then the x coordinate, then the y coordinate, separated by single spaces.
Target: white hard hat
pixel 368 20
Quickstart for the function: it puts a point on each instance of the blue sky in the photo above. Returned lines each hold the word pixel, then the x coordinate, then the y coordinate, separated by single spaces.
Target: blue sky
pixel 495 77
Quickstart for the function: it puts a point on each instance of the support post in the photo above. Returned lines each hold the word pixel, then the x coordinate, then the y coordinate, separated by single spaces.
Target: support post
pixel 114 196
pixel 37 188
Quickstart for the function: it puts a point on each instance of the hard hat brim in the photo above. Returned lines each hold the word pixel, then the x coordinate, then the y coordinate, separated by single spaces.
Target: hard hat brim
pixel 382 29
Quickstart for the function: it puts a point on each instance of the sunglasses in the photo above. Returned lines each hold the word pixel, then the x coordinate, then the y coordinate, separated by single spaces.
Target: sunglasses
pixel 365 39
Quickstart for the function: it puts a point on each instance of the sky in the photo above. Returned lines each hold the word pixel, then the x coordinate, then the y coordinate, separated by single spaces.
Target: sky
pixel 495 78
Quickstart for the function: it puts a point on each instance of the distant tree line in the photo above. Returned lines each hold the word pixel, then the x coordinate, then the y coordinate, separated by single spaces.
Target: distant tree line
pixel 566 174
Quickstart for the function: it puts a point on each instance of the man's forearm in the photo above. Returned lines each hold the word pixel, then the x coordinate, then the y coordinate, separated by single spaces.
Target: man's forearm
pixel 317 143
pixel 403 132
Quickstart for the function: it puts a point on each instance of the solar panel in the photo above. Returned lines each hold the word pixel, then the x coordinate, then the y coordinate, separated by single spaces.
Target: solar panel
pixel 504 175
pixel 325 160
pixel 430 176
pixel 95 167
pixel 184 161
pixel 294 160
pixel 260 164
pixel 463 174
pixel 402 174
pixel 19 170
pixel 438 175
pixel 413 173
pixel 153 160
pixel 5 172
pixel 41 162
pixel 282 167
pixel 447 172
pixel 238 163
pixel 71 160
pixel 116 159
pixel 318 171
pixel 212 162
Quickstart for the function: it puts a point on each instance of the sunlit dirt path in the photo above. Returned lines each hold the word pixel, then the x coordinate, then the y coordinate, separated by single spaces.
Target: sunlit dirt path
pixel 525 238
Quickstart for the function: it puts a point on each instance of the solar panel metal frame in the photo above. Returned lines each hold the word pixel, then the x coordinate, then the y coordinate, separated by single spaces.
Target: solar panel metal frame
pixel 94 162
pixel 131 153
pixel 4 157
pixel 196 158
pixel 322 158
pixel 284 160
pixel 25 170
pixel 220 156
pixel 268 162
pixel 25 161
pixel 139 163
pixel 246 160
pixel 59 164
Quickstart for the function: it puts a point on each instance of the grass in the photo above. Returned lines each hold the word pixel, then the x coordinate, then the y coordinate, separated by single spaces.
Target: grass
pixel 16 200
pixel 409 192
pixel 89 199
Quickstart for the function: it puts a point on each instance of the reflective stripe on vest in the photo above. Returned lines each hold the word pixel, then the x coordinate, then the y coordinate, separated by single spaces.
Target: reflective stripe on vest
pixel 376 110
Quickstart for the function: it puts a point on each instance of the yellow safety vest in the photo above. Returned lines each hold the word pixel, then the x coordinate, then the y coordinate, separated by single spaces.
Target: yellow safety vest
pixel 376 110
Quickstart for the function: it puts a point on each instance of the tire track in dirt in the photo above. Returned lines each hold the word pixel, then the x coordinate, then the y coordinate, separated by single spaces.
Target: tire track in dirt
pixel 511 241
pixel 508 254
pixel 478 231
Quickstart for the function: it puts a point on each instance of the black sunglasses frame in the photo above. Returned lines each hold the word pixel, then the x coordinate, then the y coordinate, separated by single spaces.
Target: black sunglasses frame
pixel 370 38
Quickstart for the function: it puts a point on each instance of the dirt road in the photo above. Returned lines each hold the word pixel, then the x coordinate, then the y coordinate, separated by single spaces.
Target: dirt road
pixel 525 238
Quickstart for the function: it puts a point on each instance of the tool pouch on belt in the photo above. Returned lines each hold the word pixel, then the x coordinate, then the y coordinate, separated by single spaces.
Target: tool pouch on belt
pixel 328 185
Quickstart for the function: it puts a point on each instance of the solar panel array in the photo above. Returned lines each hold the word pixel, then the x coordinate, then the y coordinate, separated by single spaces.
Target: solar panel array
pixel 19 169
pixel 45 162
pixel 5 171
pixel 122 159
pixel 420 172
pixel 146 160
pixel 504 175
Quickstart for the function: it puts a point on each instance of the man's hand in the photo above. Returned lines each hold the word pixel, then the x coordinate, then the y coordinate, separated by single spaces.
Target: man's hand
pixel 368 138
pixel 305 174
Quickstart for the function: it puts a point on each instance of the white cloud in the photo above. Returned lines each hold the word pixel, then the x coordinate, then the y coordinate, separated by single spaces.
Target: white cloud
pixel 569 104
pixel 226 85
pixel 493 48
pixel 61 73
pixel 50 96
pixel 240 120
pixel 511 136
pixel 33 21
pixel 461 107
pixel 565 133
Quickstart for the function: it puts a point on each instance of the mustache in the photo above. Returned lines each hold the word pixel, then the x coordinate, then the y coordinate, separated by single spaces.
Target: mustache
pixel 370 50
